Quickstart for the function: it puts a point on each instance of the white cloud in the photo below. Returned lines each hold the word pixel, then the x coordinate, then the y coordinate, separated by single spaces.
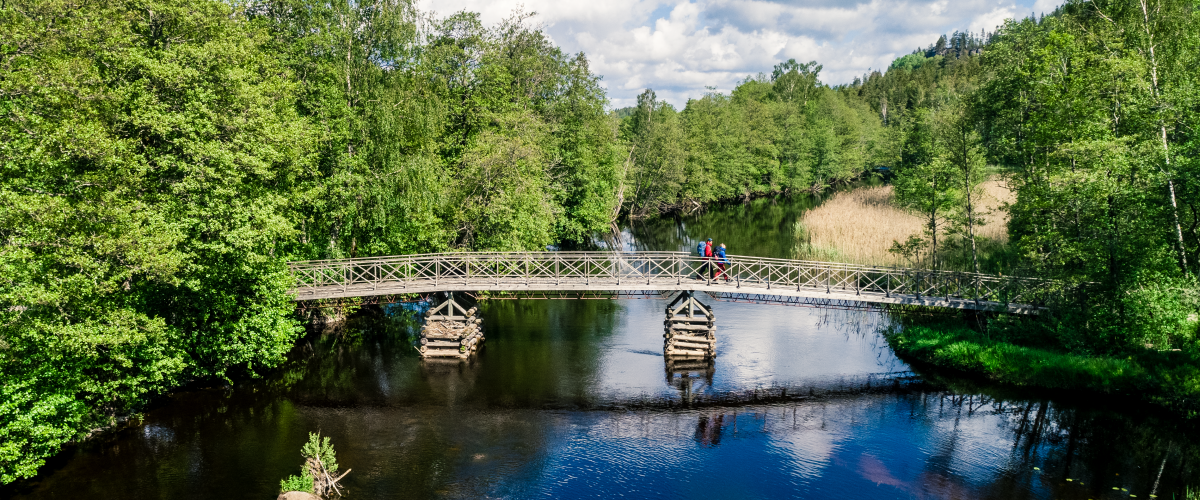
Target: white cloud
pixel 679 47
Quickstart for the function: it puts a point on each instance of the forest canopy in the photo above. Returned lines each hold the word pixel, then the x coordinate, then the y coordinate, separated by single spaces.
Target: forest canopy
pixel 162 160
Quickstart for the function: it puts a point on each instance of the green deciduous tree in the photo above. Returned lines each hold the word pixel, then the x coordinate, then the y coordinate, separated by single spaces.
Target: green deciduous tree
pixel 960 147
pixel 926 178
pixel 782 133
pixel 150 150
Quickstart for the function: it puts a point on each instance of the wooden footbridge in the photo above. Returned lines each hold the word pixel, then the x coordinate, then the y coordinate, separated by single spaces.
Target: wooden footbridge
pixel 666 272
pixel 690 329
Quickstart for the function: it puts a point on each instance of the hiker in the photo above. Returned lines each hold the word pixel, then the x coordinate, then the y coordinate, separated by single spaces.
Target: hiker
pixel 708 256
pixel 722 260
pixel 704 264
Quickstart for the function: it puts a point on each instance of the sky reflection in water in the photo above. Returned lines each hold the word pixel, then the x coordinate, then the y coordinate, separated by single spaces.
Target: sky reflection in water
pixel 573 399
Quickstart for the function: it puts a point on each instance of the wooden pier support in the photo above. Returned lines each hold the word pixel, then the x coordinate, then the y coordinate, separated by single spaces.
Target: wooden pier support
pixel 450 331
pixel 690 329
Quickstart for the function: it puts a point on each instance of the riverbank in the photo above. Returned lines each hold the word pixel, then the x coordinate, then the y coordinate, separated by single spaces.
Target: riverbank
pixel 1170 379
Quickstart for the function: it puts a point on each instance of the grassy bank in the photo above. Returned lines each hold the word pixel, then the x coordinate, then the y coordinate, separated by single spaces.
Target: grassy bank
pixel 1169 379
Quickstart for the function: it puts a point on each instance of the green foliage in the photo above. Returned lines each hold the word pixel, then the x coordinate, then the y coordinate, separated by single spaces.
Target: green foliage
pixel 941 167
pixel 321 450
pixel 150 149
pixel 783 133
pixel 926 183
pixel 908 62
pixel 1075 107
pixel 161 161
pixel 1090 116
pixel 319 474
pixel 958 347
pixel 1168 379
pixel 303 482
pixel 451 136
pixel 1162 311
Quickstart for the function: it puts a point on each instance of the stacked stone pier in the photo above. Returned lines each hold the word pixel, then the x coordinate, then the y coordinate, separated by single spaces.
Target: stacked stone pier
pixel 691 330
pixel 451 331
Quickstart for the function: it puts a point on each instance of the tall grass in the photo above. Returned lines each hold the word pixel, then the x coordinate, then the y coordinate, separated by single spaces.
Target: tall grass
pixel 859 226
pixel 855 226
pixel 995 196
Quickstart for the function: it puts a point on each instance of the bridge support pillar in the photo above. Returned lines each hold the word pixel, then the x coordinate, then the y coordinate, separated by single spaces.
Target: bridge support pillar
pixel 450 331
pixel 690 329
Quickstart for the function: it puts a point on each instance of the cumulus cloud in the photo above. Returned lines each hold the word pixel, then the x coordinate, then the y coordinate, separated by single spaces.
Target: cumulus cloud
pixel 679 48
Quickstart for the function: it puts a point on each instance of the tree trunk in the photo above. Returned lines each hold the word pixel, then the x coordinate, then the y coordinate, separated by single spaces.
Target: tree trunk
pixel 933 225
pixel 1162 127
pixel 1174 206
pixel 612 220
pixel 971 227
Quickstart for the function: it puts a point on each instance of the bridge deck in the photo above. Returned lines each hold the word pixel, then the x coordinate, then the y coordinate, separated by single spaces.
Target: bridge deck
pixel 665 271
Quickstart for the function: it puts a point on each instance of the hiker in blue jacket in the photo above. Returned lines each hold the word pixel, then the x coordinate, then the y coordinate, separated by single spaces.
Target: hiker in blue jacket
pixel 722 260
pixel 703 250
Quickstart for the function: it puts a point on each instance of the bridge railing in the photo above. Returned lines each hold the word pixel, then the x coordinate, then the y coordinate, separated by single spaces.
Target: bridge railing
pixel 595 270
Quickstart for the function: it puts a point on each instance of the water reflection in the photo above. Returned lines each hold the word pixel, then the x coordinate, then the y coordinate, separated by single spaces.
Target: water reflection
pixel 689 375
pixel 574 399
pixel 563 403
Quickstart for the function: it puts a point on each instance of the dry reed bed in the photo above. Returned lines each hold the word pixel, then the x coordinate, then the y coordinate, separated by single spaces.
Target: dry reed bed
pixel 859 226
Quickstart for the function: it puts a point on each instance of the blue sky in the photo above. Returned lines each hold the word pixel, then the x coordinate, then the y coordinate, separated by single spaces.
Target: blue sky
pixel 680 47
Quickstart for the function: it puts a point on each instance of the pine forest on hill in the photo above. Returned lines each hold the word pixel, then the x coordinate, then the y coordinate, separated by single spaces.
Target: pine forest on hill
pixel 162 160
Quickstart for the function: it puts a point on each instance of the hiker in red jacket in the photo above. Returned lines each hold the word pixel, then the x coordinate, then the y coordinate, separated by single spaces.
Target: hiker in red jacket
pixel 722 260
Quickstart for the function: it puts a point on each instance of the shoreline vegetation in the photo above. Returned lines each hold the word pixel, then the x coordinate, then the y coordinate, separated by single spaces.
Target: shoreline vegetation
pixel 163 160
pixel 858 225
pixel 1168 379
pixel 862 225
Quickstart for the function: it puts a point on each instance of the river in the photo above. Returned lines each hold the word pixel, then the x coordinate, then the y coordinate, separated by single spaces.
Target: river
pixel 573 399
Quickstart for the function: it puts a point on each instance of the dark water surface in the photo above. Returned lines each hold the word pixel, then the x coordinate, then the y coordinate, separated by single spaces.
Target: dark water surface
pixel 573 399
